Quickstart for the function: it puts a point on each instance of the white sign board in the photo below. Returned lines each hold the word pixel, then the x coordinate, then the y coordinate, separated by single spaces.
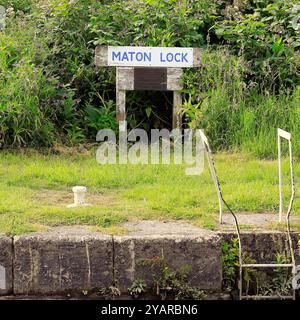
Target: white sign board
pixel 150 57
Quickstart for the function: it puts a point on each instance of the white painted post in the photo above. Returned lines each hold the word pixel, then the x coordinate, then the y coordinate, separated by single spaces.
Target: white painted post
pixel 213 174
pixel 79 196
pixel 286 135
pixel 280 177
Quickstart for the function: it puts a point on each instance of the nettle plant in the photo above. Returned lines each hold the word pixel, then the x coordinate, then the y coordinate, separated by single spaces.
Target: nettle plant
pixel 256 282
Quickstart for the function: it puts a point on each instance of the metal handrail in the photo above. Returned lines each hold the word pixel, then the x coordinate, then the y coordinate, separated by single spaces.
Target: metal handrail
pixel 213 171
pixel 221 199
pixel 286 135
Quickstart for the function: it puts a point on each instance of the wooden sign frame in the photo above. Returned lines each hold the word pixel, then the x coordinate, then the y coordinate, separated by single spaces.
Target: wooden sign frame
pixel 161 74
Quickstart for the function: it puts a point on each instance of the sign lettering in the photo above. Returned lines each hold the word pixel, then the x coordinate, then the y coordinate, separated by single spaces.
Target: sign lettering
pixel 150 57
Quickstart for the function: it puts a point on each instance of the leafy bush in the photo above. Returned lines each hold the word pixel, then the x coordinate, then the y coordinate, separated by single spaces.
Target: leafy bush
pixel 23 5
pixel 266 34
pixel 50 46
pixel 248 83
pixel 25 90
pixel 153 23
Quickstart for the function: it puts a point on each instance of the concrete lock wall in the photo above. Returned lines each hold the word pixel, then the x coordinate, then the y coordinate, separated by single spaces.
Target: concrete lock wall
pixel 50 263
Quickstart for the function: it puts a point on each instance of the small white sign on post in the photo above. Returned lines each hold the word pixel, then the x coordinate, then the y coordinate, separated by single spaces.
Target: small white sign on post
pixel 150 57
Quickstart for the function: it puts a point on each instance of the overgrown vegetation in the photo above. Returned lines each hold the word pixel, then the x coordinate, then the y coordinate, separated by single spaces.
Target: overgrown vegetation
pixel 175 284
pixel 247 86
pixel 171 284
pixel 137 288
pixel 230 263
pixel 275 282
pixel 110 292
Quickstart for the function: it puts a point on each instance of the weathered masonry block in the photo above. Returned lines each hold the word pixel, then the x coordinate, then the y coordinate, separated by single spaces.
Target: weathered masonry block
pixel 134 256
pixel 6 249
pixel 263 246
pixel 50 264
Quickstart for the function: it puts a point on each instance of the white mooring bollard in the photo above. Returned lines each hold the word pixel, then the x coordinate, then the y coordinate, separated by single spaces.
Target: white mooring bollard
pixel 79 196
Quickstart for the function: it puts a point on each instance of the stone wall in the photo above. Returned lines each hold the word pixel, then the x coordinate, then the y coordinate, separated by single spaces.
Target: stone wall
pixel 50 263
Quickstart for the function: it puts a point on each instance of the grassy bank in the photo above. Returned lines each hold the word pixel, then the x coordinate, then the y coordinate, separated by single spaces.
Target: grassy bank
pixel 35 190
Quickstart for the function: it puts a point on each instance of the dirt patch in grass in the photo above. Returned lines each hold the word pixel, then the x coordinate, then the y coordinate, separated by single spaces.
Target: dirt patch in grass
pixel 52 197
pixel 63 198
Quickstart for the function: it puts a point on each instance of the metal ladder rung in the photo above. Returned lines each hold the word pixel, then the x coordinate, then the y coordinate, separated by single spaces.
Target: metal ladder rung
pixel 267 265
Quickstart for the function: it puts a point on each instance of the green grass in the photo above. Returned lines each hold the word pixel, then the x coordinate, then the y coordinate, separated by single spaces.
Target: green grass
pixel 35 190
